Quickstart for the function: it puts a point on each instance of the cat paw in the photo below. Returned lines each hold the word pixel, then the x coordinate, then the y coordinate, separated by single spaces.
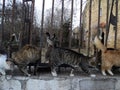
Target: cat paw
pixel 110 72
pixel 92 75
pixel 103 73
pixel 100 37
pixel 2 73
pixel 71 75
pixel 29 75
pixel 54 74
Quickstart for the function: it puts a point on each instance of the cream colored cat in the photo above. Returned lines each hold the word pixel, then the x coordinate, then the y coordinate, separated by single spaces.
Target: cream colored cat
pixel 110 58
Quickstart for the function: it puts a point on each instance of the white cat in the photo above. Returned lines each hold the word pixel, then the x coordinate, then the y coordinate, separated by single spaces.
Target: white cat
pixel 5 64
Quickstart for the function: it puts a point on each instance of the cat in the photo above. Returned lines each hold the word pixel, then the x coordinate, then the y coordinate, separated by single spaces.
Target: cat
pixel 110 57
pixel 5 64
pixel 62 56
pixel 29 54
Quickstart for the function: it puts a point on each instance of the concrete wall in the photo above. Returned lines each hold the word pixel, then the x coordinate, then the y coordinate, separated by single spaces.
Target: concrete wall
pixel 59 83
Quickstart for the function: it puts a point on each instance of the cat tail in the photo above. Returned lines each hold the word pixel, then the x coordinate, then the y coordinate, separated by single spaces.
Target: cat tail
pixel 99 44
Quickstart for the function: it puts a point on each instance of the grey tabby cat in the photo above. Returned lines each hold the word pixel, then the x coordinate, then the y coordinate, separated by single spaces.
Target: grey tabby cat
pixel 59 56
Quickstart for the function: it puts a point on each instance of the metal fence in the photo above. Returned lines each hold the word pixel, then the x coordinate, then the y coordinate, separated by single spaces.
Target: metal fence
pixel 64 25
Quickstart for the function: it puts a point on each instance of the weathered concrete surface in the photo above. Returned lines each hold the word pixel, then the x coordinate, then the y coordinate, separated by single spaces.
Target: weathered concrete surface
pixel 9 84
pixel 59 83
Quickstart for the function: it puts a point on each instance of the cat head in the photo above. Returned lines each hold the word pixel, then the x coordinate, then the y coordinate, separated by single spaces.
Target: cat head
pixel 51 40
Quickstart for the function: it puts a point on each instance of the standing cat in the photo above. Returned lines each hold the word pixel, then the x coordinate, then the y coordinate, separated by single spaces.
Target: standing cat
pixel 27 55
pixel 59 56
pixel 110 57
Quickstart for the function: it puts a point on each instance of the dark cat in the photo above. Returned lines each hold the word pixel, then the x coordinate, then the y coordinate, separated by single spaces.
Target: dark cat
pixel 59 56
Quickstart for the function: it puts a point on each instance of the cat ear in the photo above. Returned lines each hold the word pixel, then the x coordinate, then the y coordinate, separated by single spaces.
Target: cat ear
pixel 47 34
pixel 53 37
pixel 49 41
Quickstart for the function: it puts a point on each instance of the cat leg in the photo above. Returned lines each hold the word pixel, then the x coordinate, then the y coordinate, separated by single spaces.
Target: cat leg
pixel 103 73
pixel 53 72
pixel 85 68
pixel 2 72
pixel 110 72
pixel 71 73
pixel 24 70
pixel 35 69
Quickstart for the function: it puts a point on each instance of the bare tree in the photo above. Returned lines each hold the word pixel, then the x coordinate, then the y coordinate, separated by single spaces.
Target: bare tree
pixel 56 20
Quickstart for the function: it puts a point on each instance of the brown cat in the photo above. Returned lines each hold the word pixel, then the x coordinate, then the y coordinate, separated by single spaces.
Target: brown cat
pixel 110 57
pixel 28 54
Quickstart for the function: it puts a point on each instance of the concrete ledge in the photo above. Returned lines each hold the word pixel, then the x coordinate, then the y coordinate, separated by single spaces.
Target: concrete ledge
pixel 59 83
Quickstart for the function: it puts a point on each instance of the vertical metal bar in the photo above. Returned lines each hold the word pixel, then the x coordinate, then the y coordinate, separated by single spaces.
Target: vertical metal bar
pixel 52 16
pixel 80 29
pixel 70 32
pixel 32 16
pixel 27 24
pixel 23 24
pixel 99 6
pixel 27 11
pixel 2 23
pixel 41 31
pixel 107 14
pixel 21 31
pixel 13 15
pixel 61 23
pixel 116 26
pixel 89 33
pixel 42 22
pixel 107 31
pixel 98 54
